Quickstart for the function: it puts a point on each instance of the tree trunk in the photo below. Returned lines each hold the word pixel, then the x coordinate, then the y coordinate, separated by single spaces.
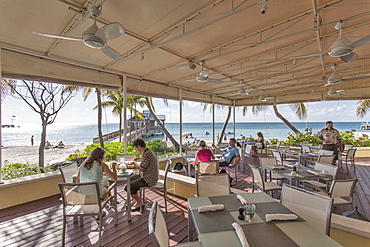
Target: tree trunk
pixel 170 137
pixel 42 144
pixel 98 96
pixel 120 127
pixel 291 126
pixel 224 127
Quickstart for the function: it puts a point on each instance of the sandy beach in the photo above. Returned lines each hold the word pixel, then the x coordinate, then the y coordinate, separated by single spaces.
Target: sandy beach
pixel 29 154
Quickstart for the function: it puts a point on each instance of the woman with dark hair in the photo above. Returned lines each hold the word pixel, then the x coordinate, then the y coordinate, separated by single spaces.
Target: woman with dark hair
pixel 260 141
pixel 203 154
pixel 92 169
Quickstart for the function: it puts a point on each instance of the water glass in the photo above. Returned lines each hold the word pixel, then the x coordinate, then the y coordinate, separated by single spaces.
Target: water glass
pixel 121 160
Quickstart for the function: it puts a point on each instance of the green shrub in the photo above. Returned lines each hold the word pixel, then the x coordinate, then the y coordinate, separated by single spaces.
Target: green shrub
pixel 17 170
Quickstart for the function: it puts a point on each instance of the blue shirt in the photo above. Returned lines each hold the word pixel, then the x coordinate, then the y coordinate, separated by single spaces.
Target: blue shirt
pixel 230 153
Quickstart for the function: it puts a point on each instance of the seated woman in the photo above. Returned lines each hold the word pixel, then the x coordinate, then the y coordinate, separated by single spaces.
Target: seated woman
pixel 47 145
pixel 260 141
pixel 61 144
pixel 203 154
pixel 92 169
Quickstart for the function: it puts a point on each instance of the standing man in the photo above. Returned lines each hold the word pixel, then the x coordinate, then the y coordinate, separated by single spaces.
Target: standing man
pixel 32 140
pixel 331 139
pixel 230 152
pixel 148 172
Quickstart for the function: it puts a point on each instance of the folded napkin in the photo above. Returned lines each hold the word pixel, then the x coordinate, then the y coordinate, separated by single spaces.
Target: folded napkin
pixel 241 235
pixel 211 208
pixel 289 165
pixel 312 172
pixel 241 199
pixel 271 217
pixel 278 168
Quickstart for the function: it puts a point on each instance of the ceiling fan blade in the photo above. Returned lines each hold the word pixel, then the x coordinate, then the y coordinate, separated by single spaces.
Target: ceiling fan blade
pixel 57 36
pixel 110 31
pixel 327 84
pixel 349 58
pixel 310 55
pixel 363 41
pixel 355 78
pixel 113 54
pixel 214 80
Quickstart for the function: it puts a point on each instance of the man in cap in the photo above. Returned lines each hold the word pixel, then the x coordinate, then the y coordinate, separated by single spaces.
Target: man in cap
pixel 331 139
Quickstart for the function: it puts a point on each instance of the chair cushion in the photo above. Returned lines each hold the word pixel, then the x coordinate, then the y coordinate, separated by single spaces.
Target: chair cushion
pixel 272 186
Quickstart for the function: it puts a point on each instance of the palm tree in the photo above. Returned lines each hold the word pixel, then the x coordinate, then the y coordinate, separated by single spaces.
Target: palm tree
pixel 132 102
pixel 362 107
pixel 116 100
pixel 149 104
pixel 86 93
pixel 298 108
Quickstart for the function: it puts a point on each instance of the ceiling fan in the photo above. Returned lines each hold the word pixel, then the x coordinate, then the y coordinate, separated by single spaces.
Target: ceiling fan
pixel 333 91
pixel 242 90
pixel 96 38
pixel 335 78
pixel 342 47
pixel 203 75
pixel 263 98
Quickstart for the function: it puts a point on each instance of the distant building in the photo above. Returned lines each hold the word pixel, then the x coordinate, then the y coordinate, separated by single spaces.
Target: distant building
pixel 148 123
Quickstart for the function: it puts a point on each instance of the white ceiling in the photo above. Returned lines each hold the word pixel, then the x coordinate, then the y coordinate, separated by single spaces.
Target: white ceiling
pixel 235 40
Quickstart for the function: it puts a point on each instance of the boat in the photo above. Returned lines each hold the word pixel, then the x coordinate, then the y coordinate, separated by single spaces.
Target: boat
pixel 207 133
pixel 230 133
pixel 365 126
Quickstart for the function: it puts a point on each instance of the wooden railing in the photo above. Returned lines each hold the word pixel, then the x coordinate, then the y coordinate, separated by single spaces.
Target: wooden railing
pixel 115 134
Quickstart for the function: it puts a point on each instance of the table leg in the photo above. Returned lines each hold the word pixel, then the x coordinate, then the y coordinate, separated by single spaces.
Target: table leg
pixel 190 226
pixel 128 198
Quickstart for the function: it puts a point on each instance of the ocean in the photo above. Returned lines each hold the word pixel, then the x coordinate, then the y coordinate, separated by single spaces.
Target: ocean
pixel 84 133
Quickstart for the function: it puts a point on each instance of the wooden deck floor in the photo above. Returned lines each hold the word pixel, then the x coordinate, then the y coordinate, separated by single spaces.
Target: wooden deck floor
pixel 39 223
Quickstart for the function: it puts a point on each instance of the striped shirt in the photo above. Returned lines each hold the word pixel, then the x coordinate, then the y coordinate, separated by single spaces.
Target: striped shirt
pixel 149 162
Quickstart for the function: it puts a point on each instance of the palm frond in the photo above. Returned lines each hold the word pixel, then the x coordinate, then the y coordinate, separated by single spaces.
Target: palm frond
pixel 362 108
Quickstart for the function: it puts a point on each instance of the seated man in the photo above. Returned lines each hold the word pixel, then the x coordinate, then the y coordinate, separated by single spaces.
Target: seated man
pixel 148 172
pixel 230 152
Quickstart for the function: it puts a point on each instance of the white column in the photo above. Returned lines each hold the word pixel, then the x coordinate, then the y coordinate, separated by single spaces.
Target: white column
pixel 124 90
pixel 234 119
pixel 180 109
pixel 1 137
pixel 213 121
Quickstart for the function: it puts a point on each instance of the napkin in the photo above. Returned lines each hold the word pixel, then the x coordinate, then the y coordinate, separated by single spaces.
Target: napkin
pixel 271 217
pixel 278 168
pixel 241 199
pixel 210 208
pixel 289 165
pixel 241 235
pixel 312 172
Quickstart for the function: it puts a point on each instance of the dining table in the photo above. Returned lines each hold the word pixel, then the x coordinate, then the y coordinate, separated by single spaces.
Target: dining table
pixel 214 228
pixel 124 175
pixel 303 173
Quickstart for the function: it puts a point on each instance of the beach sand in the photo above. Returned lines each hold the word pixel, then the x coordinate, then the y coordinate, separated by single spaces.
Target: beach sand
pixel 29 154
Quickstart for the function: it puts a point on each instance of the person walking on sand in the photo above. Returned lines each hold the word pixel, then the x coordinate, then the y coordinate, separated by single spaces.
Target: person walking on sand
pixel 32 140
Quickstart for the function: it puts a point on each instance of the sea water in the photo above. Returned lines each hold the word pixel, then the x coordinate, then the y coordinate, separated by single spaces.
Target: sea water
pixel 84 133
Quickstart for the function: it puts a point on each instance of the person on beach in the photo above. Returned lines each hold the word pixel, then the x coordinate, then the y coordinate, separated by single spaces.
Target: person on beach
pixel 260 141
pixel 229 153
pixel 61 144
pixel 148 172
pixel 93 168
pixel 47 145
pixel 32 140
pixel 203 154
pixel 331 139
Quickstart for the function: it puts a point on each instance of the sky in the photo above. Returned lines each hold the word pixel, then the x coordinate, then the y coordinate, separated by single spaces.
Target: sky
pixel 79 111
